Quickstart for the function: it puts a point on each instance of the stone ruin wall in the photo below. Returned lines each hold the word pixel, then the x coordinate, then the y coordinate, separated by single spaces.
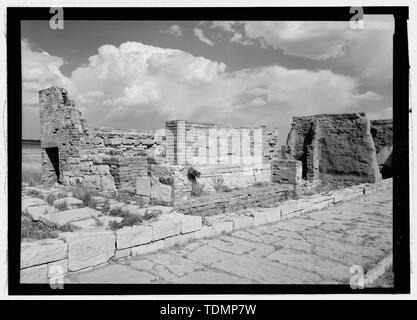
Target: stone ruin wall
pixel 216 151
pixel 334 147
pixel 344 147
pixel 112 160
pixel 100 158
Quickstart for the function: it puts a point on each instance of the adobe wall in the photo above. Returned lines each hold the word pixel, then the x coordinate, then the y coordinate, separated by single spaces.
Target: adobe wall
pixel 334 147
pixel 382 134
pixel 286 171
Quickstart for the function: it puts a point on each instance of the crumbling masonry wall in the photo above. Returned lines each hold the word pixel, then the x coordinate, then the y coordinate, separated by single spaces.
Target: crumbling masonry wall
pixel 100 158
pixel 151 165
pixel 334 147
pixel 382 133
pixel 223 155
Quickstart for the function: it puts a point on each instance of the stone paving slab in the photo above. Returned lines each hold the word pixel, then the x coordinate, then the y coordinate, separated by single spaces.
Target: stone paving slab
pixel 315 248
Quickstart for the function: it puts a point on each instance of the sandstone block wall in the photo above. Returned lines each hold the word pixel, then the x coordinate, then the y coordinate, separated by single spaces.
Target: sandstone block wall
pixel 193 142
pixel 334 147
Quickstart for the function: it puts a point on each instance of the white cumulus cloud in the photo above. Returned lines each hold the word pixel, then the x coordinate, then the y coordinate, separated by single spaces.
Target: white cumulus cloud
pixel 200 35
pixel 127 83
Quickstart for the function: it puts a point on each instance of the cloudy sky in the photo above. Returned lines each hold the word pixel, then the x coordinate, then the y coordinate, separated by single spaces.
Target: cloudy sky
pixel 137 74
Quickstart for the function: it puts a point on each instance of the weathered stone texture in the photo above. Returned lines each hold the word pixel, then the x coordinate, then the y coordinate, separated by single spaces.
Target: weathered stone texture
pixel 336 147
pixel 213 204
pixel 41 252
pixel 99 158
pixel 37 274
pixel 133 236
pixel 89 249
pixel 286 171
pixel 67 216
pixel 382 133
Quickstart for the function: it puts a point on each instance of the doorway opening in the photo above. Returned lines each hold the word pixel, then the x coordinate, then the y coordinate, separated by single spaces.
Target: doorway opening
pixel 53 156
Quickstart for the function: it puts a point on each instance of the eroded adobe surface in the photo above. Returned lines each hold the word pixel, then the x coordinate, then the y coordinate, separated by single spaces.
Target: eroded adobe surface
pixel 382 134
pixel 334 147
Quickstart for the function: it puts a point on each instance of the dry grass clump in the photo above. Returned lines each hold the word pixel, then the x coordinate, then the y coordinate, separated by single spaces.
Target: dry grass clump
pixel 31 176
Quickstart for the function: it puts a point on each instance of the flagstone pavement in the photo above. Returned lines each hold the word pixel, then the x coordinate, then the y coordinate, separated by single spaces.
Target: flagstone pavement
pixel 316 248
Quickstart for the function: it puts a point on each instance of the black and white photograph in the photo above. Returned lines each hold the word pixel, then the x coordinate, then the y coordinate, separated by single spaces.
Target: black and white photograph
pixel 210 148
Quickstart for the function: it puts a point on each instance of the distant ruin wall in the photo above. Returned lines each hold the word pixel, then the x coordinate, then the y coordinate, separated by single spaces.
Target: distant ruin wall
pixel 154 164
pixel 94 157
pixel 334 147
pixel 205 143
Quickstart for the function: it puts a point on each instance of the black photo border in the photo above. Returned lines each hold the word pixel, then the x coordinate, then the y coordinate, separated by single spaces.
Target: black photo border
pixel 401 208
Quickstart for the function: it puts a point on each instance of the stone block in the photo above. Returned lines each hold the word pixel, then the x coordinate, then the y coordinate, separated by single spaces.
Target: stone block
pixel 37 274
pixel 72 203
pixel 67 216
pixel 148 248
pixel 290 207
pixel 166 227
pixel 222 227
pixel 204 232
pixel 40 252
pixel 85 224
pixel 31 202
pixel 143 186
pixel 37 211
pixel 123 253
pixel 177 240
pixel 345 194
pixel 89 249
pixel 164 209
pixel 260 218
pixel 189 223
pixel 133 236
pixel 57 268
pixel 241 222
pixel 161 193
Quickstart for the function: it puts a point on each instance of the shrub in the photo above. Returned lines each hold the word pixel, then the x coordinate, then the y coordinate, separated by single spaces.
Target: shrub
pixel 31 176
pixel 123 197
pixel 34 193
pixel 62 206
pixel 68 227
pixel 218 183
pixel 116 212
pixel 85 195
pixel 37 230
pixel 288 195
pixel 152 214
pixel 129 220
pixel 197 189
pixel 51 197
pixel 106 207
